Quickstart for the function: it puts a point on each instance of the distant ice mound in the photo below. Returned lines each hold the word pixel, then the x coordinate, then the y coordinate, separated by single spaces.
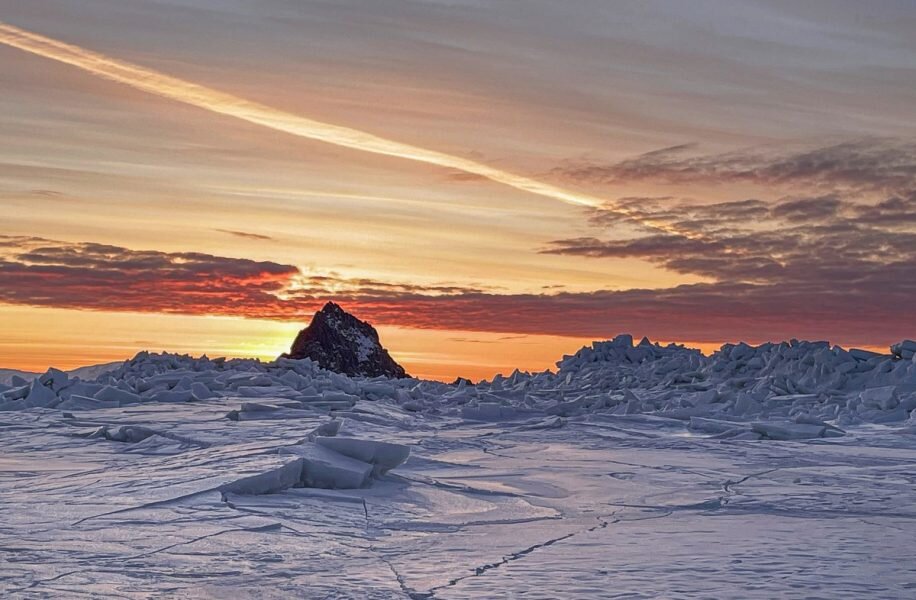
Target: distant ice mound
pixel 740 374
pixel 786 390
pixel 799 381
pixel 340 342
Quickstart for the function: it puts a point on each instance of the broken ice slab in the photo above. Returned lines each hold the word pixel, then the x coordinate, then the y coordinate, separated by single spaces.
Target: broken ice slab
pixel 715 426
pixel 383 456
pixel 260 411
pixel 905 349
pixel 77 402
pixel 791 431
pixel 276 479
pixel 322 467
pixel 113 394
pixel 488 411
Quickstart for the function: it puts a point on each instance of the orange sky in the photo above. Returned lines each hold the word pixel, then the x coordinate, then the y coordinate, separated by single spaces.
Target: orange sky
pixel 491 189
pixel 95 337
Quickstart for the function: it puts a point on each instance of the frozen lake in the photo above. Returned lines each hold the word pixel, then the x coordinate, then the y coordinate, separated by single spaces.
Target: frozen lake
pixel 596 505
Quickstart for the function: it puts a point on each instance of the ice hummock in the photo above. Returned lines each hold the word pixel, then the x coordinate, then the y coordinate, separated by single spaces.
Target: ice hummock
pixel 790 384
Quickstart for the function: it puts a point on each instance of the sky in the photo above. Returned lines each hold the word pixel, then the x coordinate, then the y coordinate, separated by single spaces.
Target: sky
pixel 491 184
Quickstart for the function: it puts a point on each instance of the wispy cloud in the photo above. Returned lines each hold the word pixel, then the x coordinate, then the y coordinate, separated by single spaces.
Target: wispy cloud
pixel 245 234
pixel 874 164
pixel 173 88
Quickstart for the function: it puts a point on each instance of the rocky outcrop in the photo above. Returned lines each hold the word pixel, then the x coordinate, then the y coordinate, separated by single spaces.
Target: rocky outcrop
pixel 340 342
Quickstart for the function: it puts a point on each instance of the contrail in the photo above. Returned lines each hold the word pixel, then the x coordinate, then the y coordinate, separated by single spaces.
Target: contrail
pixel 160 84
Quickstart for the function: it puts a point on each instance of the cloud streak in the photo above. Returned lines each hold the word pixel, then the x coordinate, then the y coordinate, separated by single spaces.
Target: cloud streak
pixel 245 234
pixel 173 88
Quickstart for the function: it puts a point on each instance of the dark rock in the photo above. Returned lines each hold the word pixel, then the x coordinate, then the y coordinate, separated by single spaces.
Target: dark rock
pixel 340 342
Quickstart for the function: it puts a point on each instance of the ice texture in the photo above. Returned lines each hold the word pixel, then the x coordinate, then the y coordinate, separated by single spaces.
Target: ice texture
pixel 779 470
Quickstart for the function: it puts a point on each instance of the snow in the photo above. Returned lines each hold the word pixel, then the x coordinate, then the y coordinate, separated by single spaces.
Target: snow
pixel 365 346
pixel 643 471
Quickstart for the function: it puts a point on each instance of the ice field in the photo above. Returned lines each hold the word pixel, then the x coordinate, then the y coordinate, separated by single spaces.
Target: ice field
pixel 634 471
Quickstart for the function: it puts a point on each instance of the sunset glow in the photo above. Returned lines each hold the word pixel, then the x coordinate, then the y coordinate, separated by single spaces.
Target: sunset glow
pixel 488 204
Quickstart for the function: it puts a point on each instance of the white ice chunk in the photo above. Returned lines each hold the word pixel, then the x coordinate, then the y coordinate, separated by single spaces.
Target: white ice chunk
pixel 325 468
pixel 77 402
pixel 884 397
pixel 789 431
pixel 328 429
pixel 273 480
pixel 488 411
pixel 41 396
pixel 715 426
pixel 113 394
pixel 54 379
pixel 201 391
pixel 384 456
pixel 173 396
pixel 18 381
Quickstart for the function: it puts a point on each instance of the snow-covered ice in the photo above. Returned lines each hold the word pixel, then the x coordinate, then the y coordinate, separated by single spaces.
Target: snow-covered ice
pixel 633 471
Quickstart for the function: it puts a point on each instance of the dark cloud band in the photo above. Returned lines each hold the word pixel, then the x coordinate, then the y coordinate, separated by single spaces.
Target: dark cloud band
pixel 868 309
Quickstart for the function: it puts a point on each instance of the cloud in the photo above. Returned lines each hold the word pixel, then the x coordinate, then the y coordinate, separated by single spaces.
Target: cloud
pixel 701 312
pixel 837 259
pixel 808 209
pixel 681 218
pixel 102 277
pixel 245 234
pixel 894 211
pixel 806 264
pixel 798 242
pixel 654 246
pixel 870 164
pixel 870 306
pixel 41 272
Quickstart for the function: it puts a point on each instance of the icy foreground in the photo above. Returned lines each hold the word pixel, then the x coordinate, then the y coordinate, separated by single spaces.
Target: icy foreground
pixel 635 471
